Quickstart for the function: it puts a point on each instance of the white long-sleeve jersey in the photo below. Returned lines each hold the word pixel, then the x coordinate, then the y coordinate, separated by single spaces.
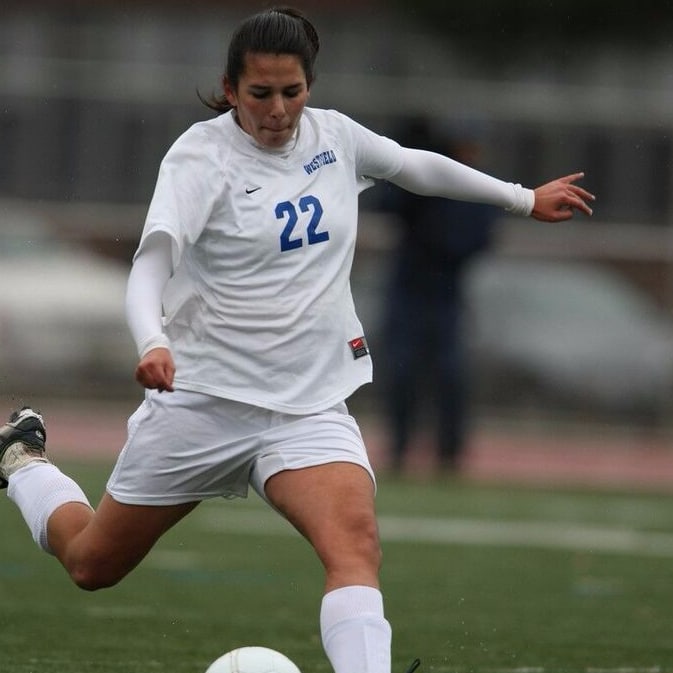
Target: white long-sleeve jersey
pixel 249 285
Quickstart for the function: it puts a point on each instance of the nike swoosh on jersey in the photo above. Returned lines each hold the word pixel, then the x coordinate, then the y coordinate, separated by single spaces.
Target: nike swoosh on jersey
pixel 251 190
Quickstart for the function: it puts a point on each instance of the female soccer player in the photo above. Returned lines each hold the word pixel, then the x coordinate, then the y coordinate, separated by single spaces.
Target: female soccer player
pixel 249 345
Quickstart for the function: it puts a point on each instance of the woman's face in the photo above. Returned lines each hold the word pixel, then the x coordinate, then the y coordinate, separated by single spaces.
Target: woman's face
pixel 270 97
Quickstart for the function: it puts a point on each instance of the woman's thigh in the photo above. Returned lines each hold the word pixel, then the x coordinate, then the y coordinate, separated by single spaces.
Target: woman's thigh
pixel 113 541
pixel 332 505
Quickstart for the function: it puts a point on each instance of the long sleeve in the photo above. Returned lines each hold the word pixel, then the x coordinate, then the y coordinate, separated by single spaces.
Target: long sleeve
pixel 151 270
pixel 432 174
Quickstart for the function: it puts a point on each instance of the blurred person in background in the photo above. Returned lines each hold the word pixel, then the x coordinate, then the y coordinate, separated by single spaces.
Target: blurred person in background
pixel 425 365
pixel 249 345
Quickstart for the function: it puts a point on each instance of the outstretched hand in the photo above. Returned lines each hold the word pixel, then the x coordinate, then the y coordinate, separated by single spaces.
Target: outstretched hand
pixel 557 200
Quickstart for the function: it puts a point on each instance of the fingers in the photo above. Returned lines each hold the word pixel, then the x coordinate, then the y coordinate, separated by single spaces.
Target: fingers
pixel 576 197
pixel 558 215
pixel 165 385
pixel 161 383
pixel 156 370
pixel 556 201
pixel 561 215
pixel 581 192
pixel 153 379
pixel 580 204
pixel 573 177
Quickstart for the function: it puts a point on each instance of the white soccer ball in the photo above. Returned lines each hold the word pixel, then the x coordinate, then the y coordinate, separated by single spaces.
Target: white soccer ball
pixel 253 660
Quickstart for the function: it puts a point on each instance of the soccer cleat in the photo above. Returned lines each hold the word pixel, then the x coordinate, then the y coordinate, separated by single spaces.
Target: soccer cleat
pixel 21 442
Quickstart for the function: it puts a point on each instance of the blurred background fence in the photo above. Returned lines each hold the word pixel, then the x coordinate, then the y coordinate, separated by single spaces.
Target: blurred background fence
pixel 93 94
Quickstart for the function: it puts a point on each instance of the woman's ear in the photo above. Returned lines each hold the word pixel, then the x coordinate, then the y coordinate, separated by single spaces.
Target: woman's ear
pixel 229 92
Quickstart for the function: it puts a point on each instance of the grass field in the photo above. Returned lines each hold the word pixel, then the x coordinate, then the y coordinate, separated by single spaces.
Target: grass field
pixel 478 579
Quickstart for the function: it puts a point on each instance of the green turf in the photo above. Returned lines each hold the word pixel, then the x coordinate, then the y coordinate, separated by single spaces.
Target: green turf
pixel 524 596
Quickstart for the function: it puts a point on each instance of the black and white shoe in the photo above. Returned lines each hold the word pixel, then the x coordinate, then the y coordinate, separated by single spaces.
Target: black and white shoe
pixel 22 441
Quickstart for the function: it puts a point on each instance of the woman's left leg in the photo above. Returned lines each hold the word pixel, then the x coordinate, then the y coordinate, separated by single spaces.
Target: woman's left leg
pixel 332 505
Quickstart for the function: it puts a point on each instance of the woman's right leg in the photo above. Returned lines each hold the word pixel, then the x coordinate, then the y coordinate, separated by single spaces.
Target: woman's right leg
pixel 97 548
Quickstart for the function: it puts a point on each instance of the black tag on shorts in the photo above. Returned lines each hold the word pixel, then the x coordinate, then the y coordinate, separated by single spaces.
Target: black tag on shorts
pixel 359 347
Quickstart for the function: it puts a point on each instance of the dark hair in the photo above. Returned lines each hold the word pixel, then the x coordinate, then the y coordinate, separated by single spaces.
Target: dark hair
pixel 280 30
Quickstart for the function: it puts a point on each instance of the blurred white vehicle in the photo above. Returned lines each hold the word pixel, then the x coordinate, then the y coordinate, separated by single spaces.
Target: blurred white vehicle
pixel 62 323
pixel 570 334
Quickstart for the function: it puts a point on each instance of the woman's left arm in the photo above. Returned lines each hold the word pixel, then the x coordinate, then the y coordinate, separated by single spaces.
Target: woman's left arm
pixel 432 174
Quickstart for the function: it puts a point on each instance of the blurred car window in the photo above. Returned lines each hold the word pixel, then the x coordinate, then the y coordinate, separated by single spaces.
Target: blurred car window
pixel 569 334
pixel 62 318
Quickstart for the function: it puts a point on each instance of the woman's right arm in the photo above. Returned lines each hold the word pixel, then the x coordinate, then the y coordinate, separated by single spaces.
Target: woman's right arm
pixel 152 268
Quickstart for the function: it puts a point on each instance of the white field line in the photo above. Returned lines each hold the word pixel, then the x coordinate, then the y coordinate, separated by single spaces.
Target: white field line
pixel 620 669
pixel 542 535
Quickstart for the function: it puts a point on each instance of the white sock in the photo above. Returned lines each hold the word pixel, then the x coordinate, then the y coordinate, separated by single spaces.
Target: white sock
pixel 37 490
pixel 355 634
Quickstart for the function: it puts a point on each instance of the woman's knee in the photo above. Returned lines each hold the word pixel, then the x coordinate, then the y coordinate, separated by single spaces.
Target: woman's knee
pixel 93 569
pixel 92 577
pixel 115 540
pixel 355 544
pixel 368 538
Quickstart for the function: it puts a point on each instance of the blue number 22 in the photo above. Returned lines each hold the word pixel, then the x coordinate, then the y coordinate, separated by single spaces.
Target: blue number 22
pixel 287 210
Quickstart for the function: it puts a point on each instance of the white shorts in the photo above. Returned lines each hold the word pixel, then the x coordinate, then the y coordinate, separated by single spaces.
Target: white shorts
pixel 185 446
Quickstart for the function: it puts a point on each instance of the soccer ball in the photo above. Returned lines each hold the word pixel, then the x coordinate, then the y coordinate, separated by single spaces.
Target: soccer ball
pixel 253 660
